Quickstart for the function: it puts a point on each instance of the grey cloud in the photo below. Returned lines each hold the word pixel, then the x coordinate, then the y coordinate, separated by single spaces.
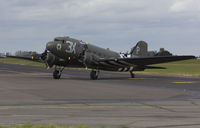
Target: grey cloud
pixel 109 23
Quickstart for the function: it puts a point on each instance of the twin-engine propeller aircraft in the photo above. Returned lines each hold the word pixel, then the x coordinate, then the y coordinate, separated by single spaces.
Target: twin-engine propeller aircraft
pixel 68 52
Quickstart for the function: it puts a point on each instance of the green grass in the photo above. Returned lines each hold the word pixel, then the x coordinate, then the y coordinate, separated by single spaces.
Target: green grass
pixel 49 126
pixel 20 62
pixel 183 68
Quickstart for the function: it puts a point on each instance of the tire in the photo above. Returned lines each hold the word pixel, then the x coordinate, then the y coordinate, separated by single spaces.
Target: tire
pixel 132 75
pixel 56 74
pixel 93 75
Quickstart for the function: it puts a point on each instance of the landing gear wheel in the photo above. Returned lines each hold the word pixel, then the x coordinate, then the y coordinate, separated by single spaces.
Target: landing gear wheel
pixel 56 74
pixel 94 75
pixel 132 75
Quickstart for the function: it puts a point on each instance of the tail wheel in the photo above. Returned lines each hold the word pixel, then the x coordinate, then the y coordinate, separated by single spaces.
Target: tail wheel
pixel 132 75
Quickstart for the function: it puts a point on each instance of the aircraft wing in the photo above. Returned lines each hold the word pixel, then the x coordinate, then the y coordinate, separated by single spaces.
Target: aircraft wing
pixel 32 58
pixel 142 61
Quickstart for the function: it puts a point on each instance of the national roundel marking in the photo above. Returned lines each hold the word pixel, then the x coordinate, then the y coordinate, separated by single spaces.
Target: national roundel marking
pixel 59 46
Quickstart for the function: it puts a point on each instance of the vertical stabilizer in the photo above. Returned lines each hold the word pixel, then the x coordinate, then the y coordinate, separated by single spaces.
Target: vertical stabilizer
pixel 141 49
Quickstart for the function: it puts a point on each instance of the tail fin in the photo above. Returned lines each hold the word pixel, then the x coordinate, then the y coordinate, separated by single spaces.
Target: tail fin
pixel 141 49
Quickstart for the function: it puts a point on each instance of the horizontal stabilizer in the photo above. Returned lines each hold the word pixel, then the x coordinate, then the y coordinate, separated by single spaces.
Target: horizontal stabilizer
pixel 153 67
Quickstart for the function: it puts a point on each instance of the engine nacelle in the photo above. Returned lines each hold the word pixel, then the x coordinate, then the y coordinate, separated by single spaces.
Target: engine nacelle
pixel 52 60
pixel 90 59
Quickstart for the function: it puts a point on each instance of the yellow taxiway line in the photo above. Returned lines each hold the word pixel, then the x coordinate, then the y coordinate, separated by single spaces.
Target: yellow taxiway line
pixel 142 78
pixel 184 82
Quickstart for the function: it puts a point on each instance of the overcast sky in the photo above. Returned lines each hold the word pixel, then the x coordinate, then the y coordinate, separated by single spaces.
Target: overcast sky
pixel 117 24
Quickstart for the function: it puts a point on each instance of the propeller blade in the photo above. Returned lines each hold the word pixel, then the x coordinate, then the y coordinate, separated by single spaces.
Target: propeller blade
pixel 44 55
pixel 44 58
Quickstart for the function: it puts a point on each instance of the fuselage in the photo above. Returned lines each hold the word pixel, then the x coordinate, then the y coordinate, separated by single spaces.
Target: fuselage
pixel 76 53
pixel 69 52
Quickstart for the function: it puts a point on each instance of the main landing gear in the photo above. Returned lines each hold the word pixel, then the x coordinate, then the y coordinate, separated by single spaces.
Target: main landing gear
pixel 94 75
pixel 57 73
pixel 132 75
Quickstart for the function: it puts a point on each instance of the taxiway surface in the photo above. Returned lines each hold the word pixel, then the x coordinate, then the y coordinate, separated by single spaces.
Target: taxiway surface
pixel 29 94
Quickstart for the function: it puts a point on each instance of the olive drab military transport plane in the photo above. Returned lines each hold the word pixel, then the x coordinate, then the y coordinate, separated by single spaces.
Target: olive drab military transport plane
pixel 68 52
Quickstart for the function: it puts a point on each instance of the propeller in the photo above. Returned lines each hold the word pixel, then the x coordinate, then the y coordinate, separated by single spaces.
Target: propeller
pixel 44 58
pixel 44 55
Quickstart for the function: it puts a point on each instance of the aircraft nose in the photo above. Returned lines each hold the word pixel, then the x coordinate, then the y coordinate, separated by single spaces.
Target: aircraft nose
pixel 49 46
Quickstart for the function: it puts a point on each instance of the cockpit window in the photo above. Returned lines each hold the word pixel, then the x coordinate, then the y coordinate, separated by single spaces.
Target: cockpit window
pixel 63 41
pixel 60 38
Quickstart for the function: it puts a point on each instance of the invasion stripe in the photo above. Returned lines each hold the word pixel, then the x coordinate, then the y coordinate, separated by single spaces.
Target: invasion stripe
pixel 116 63
pixel 104 63
pixel 120 69
pixel 126 69
pixel 131 69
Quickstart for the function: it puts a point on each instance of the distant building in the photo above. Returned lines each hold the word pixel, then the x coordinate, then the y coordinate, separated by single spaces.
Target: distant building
pixel 8 54
pixel 2 55
pixel 25 53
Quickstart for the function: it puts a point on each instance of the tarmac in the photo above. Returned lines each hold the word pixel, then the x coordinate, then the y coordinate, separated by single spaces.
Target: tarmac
pixel 30 95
